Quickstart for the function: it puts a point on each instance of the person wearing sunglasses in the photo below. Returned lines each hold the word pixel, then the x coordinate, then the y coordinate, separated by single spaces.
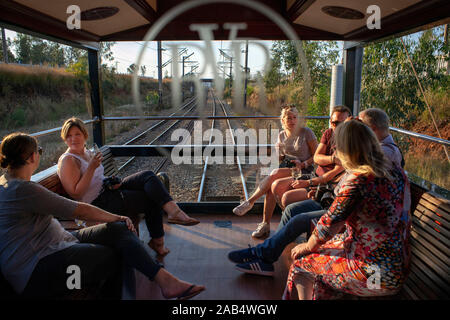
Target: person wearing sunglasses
pixel 328 170
pixel 296 146
pixel 36 252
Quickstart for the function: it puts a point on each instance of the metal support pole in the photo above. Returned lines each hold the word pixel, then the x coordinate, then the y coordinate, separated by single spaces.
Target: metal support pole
pixel 182 78
pixel 5 46
pixel 231 71
pixel 246 73
pixel 159 74
pixel 96 97
pixel 352 83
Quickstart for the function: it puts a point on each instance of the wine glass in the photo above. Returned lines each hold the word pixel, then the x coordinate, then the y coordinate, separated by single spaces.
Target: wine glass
pixel 296 172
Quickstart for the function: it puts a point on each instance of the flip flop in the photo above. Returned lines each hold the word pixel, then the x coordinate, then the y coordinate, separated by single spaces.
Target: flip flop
pixel 189 222
pixel 190 292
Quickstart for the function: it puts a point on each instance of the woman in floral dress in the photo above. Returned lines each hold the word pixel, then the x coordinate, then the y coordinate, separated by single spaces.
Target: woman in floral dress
pixel 371 258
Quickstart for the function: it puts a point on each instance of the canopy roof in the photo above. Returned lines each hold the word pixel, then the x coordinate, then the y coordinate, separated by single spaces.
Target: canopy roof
pixel 311 19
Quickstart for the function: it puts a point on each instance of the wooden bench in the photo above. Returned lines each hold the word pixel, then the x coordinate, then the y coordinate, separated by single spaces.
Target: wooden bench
pixel 429 276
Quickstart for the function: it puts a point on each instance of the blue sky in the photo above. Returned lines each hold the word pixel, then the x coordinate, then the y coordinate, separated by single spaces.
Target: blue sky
pixel 126 53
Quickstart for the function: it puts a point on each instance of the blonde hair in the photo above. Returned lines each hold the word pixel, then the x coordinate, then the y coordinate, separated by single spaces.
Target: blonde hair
pixel 359 150
pixel 284 110
pixel 73 122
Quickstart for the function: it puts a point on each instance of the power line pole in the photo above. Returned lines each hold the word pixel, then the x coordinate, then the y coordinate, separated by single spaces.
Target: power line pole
pixel 246 73
pixel 231 71
pixel 159 74
pixel 5 48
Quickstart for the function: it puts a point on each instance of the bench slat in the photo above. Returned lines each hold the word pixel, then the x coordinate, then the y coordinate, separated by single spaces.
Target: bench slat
pixel 439 236
pixel 440 265
pixel 438 201
pixel 439 245
pixel 431 217
pixel 441 213
pixel 420 286
pixel 415 237
pixel 408 293
pixel 431 279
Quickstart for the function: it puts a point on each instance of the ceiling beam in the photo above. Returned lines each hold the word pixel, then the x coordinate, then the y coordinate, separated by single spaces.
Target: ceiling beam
pixel 298 8
pixel 266 30
pixel 25 18
pixel 410 18
pixel 144 9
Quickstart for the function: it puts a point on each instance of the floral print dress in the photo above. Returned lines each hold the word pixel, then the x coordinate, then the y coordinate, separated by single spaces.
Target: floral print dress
pixel 371 258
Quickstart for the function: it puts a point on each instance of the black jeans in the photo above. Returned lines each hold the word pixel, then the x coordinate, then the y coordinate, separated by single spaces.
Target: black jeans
pixel 106 255
pixel 141 192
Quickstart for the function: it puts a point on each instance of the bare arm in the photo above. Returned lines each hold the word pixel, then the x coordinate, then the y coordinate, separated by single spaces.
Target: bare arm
pixel 320 158
pixel 312 145
pixel 328 176
pixel 88 212
pixel 75 183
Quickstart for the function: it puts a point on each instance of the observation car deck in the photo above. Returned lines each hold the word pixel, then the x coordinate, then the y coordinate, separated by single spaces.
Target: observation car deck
pixel 199 253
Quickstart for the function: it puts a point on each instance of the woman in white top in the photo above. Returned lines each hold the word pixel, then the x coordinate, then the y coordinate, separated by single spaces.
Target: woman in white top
pixel 36 252
pixel 81 174
pixel 297 144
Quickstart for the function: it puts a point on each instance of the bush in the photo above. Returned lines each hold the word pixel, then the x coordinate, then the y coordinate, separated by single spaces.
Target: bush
pixel 18 117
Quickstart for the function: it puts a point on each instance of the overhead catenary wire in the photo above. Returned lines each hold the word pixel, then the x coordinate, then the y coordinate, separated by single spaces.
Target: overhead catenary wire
pixel 425 98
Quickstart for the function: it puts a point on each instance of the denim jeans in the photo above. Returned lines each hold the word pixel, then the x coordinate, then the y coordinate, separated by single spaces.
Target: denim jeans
pixel 107 252
pixel 142 192
pixel 296 219
pixel 297 208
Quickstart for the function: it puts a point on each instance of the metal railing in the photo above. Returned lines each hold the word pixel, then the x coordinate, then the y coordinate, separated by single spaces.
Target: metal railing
pixel 421 136
pixel 96 119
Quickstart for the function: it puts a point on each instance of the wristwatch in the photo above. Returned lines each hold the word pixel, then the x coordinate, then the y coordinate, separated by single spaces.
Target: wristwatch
pixel 310 182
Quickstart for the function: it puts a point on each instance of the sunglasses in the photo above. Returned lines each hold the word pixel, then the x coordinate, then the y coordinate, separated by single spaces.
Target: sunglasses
pixel 336 123
pixel 39 150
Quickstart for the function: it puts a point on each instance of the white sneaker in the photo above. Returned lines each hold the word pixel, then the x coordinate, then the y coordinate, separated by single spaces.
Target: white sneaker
pixel 262 231
pixel 243 208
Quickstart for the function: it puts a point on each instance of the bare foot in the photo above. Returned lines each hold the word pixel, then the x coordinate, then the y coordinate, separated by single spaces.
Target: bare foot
pixel 158 246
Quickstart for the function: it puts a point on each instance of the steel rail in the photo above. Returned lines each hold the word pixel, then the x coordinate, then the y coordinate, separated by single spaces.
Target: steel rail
pixel 238 161
pixel 157 124
pixel 194 104
pixel 205 167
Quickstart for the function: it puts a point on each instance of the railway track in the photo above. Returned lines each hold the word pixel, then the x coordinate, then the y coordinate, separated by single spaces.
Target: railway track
pixel 193 182
pixel 151 136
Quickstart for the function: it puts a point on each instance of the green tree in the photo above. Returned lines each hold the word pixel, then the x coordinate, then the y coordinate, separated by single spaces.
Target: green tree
pixel 388 81
pixel 56 54
pixel 11 57
pixel 320 56
pixel 22 45
pixel 273 77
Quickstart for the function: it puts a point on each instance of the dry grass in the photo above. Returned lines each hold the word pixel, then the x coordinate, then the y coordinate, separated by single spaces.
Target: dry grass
pixel 34 70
